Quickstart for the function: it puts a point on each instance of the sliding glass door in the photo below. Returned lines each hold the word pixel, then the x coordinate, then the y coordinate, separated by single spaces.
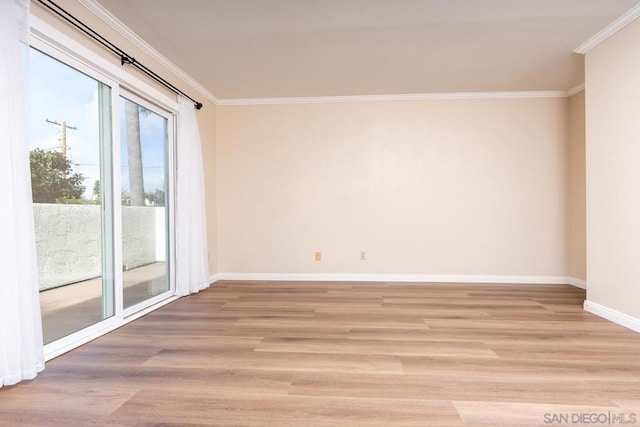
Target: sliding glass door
pixel 101 181
pixel 144 216
pixel 70 157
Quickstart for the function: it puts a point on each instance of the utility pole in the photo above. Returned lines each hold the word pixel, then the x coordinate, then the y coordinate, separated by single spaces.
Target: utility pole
pixel 63 133
pixel 63 139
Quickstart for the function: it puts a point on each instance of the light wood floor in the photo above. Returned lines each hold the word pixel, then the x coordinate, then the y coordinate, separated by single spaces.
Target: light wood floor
pixel 307 354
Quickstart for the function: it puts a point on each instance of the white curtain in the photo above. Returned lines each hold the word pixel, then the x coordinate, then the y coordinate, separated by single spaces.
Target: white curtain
pixel 192 267
pixel 21 350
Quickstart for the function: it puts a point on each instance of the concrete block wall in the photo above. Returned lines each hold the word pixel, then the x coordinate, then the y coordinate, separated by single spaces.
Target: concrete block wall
pixel 69 241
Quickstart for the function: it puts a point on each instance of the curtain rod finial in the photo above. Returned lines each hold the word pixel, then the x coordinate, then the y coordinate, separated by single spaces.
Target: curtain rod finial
pixel 198 105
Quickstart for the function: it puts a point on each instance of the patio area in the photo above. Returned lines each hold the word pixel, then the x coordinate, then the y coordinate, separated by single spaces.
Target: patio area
pixel 67 309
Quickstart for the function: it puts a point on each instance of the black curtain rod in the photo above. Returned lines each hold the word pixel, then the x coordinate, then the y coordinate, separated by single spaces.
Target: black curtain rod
pixel 124 57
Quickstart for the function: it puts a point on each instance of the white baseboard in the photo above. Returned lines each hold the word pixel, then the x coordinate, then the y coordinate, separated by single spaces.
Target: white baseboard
pixel 578 283
pixel 613 315
pixel 429 278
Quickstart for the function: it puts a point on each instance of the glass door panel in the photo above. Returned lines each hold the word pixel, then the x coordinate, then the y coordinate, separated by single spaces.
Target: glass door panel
pixel 70 146
pixel 144 216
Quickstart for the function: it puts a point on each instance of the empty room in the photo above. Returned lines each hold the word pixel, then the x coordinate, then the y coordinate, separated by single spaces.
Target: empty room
pixel 320 213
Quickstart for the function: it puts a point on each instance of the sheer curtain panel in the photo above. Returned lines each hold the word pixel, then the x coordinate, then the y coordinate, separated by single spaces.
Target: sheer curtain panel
pixel 192 268
pixel 21 350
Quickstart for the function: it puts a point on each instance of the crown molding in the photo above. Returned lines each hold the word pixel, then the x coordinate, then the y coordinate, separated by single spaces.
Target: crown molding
pixel 609 30
pixel 98 10
pixel 113 22
pixel 399 97
pixel 576 89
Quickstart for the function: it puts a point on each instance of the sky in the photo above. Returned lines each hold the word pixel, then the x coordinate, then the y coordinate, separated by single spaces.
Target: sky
pixel 60 93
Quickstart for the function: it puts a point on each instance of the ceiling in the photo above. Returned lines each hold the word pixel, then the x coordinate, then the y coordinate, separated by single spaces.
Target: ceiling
pixel 303 48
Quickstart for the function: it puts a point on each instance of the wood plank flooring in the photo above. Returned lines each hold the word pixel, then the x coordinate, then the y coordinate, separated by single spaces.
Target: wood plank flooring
pixel 332 354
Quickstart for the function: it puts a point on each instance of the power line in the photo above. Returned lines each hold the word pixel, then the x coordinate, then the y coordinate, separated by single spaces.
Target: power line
pixel 63 132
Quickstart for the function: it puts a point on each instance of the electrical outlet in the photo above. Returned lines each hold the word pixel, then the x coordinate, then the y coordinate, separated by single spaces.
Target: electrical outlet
pixel 318 256
pixel 363 255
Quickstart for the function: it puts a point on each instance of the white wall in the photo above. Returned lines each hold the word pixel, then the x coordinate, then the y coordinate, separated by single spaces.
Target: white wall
pixel 473 187
pixel 139 231
pixel 613 176
pixel 69 243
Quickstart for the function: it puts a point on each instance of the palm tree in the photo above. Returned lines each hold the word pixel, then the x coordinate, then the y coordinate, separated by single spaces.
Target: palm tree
pixel 134 153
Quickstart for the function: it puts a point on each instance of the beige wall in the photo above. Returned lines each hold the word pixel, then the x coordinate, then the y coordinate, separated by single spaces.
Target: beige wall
pixel 613 172
pixel 207 127
pixel 206 116
pixel 577 257
pixel 473 187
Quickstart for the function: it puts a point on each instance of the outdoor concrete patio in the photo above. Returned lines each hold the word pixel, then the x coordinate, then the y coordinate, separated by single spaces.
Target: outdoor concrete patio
pixel 69 308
